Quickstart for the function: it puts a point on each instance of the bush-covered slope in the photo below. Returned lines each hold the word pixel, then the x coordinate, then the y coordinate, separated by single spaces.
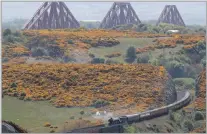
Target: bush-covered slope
pixel 90 85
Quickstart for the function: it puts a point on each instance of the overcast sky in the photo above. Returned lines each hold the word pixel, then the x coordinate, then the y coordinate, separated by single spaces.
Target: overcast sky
pixel 191 12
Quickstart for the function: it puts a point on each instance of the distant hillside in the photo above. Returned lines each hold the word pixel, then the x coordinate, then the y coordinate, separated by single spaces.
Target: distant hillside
pixel 90 24
pixel 151 22
pixel 15 24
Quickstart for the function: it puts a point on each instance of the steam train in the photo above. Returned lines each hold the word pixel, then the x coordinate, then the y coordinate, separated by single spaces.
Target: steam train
pixel 151 113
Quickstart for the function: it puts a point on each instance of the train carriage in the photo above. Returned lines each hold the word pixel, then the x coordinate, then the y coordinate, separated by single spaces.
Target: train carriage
pixel 133 118
pixel 159 112
pixel 145 115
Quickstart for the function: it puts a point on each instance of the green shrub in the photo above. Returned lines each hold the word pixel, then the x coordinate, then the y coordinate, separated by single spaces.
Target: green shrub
pixel 129 129
pixel 27 99
pixel 156 29
pixel 15 94
pixel 141 28
pixel 154 62
pixel 52 131
pixel 21 97
pixel 91 55
pixel 13 85
pixel 198 116
pixel 82 112
pixel 98 60
pixel 187 83
pixel 70 42
pixel 183 112
pixel 192 71
pixel 17 34
pixel 38 52
pixel 9 39
pixel 55 51
pixel 7 32
pixel 203 61
pixel 187 125
pixel 182 58
pixel 23 94
pixel 72 117
pixel 100 103
pixel 155 128
pixel 143 58
pixel 175 116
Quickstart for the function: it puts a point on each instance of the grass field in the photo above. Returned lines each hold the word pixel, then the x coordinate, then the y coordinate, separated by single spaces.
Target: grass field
pixel 33 115
pixel 125 43
pixel 122 47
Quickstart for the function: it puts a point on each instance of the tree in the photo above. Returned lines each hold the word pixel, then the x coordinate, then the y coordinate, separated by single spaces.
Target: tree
pixel 175 68
pixel 9 39
pixel 7 32
pixel 130 55
pixel 187 124
pixel 198 116
pixel 131 52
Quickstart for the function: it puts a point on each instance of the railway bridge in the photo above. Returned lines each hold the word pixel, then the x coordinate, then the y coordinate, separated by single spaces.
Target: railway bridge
pixel 56 15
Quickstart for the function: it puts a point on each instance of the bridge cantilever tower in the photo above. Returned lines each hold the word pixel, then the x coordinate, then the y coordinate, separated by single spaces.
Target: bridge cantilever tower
pixel 52 15
pixel 119 14
pixel 171 15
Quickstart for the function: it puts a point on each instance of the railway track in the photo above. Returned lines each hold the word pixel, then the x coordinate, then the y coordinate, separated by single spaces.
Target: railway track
pixel 116 125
